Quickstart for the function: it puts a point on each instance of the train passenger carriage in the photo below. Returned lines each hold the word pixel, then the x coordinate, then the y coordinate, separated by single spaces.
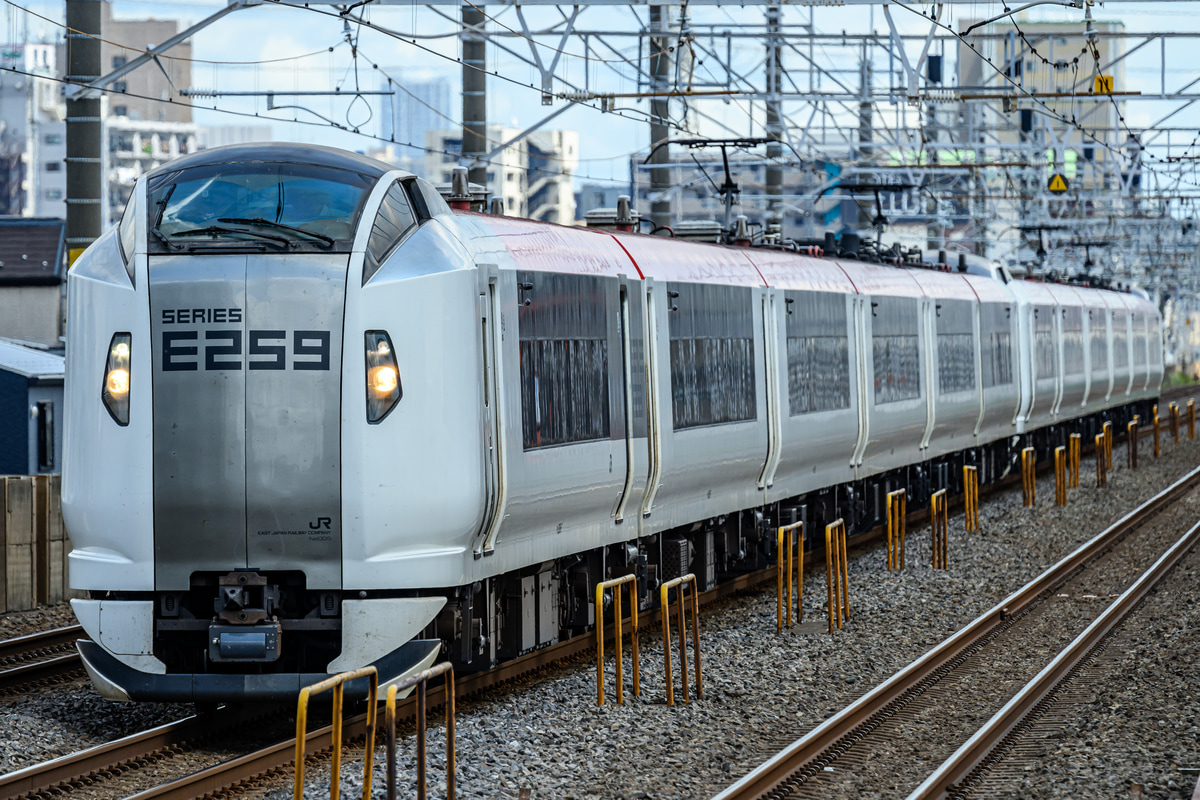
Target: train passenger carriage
pixel 318 420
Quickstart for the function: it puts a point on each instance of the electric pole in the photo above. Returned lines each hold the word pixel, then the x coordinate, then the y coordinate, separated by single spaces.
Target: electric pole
pixel 85 177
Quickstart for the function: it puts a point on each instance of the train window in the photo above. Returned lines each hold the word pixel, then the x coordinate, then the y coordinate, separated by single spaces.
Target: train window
pixel 818 352
pixel 434 203
pixel 956 347
pixel 1121 341
pixel 1098 336
pixel 1072 335
pixel 895 349
pixel 712 354
pixel 1043 334
pixel 393 222
pixel 259 206
pixel 562 326
pixel 127 233
pixel 996 329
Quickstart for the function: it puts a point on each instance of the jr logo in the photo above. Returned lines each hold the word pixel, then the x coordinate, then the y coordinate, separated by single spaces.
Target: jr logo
pixel 322 524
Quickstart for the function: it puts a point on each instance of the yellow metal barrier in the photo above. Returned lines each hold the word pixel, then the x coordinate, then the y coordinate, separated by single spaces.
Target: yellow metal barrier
pixel 1101 469
pixel 1029 475
pixel 1157 430
pixel 971 498
pixel 420 681
pixel 1131 442
pixel 1191 418
pixel 1108 445
pixel 337 684
pixel 1076 445
pixel 664 594
pixel 1174 422
pixel 618 613
pixel 787 532
pixel 1060 476
pixel 837 575
pixel 939 517
pixel 897 528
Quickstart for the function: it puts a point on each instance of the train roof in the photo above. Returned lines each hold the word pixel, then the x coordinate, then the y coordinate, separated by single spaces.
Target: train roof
pixel 280 152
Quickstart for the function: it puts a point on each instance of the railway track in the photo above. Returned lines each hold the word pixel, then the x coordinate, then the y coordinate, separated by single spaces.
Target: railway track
pixel 121 757
pixel 38 659
pixel 869 739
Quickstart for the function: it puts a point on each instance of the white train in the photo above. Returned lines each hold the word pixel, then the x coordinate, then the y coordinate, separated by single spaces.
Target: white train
pixel 317 420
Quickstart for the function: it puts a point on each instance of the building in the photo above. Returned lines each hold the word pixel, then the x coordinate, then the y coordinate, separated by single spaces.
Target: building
pixel 31 279
pixel 532 176
pixel 1040 59
pixel 33 129
pixel 31 403
pixel 221 135
pixel 135 147
pixel 149 86
pixel 142 128
pixel 413 110
pixel 590 196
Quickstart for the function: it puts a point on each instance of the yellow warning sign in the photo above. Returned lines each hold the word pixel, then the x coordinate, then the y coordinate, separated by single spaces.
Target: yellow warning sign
pixel 1102 84
pixel 1057 183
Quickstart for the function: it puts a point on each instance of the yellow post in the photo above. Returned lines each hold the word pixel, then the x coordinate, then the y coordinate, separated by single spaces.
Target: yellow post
pixel 1076 446
pixel 845 577
pixel 1029 475
pixel 1108 445
pixel 940 523
pixel 1101 472
pixel 618 614
pixel 337 684
pixel 1156 432
pixel 1191 418
pixel 897 528
pixel 785 543
pixel 971 498
pixel 836 573
pixel 1174 422
pixel 664 600
pixel 1060 476
pixel 420 681
pixel 1131 442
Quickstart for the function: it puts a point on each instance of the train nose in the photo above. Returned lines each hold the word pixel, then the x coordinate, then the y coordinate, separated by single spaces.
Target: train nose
pixel 246 383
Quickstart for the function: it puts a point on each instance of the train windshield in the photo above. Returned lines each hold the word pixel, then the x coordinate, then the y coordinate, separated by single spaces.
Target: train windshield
pixel 257 206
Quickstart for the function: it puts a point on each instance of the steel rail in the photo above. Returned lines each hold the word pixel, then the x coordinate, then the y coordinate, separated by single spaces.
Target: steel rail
pixel 62 772
pixel 986 746
pixel 22 647
pixel 823 744
pixel 114 755
pixel 29 674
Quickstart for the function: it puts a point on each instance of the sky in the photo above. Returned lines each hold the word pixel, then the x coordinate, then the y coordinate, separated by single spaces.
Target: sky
pixel 297 41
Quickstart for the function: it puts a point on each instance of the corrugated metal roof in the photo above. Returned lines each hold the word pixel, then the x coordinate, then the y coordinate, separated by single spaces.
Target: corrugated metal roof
pixel 31 250
pixel 30 363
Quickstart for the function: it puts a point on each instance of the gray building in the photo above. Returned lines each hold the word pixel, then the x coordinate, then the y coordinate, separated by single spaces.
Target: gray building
pixel 33 178
pixel 31 402
pixel 31 279
pixel 414 108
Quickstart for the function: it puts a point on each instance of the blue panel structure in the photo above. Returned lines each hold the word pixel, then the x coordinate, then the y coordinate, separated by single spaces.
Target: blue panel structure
pixel 14 424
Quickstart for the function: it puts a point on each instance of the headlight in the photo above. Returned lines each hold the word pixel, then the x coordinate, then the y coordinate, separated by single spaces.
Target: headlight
pixel 383 376
pixel 115 391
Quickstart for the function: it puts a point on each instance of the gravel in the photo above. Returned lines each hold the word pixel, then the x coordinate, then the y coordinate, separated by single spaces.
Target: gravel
pixel 1138 725
pixel 762 690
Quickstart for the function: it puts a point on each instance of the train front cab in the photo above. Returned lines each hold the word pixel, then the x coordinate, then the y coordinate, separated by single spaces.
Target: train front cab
pixel 207 369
